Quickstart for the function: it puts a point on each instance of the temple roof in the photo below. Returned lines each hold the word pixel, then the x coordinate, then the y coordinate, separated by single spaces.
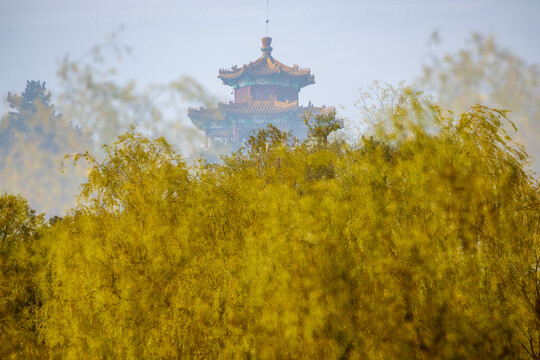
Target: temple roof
pixel 267 107
pixel 202 114
pixel 265 67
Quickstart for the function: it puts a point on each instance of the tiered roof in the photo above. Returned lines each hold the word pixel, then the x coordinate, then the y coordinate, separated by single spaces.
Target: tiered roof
pixel 205 114
pixel 267 107
pixel 264 67
pixel 233 120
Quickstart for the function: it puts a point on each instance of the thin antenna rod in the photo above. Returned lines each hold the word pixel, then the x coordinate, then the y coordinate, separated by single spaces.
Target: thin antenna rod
pixel 267 21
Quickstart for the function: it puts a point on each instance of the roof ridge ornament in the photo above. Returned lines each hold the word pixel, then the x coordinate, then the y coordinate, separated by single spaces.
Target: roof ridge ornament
pixel 266 48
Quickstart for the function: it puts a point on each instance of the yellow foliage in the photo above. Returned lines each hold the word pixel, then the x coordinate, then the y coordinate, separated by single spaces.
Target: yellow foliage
pixel 418 246
pixel 19 297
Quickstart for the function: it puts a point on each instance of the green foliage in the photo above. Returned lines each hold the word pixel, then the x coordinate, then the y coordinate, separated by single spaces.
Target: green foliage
pixel 262 140
pixel 19 298
pixel 322 125
pixel 33 119
pixel 420 241
pixel 33 138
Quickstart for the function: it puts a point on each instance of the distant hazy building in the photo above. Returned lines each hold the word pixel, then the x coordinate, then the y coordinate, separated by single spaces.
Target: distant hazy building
pixel 265 91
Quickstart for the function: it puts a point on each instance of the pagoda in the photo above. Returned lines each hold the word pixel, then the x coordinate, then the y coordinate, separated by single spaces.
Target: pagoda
pixel 265 91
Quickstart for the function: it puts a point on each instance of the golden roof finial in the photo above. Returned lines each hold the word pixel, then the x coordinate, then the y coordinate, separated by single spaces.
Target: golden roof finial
pixel 266 48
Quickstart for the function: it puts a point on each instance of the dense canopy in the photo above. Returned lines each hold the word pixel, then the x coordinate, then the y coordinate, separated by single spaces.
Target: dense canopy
pixel 420 241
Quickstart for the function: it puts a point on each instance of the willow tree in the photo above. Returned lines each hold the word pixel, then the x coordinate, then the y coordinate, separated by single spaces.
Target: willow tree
pixel 420 241
pixel 484 72
pixel 20 228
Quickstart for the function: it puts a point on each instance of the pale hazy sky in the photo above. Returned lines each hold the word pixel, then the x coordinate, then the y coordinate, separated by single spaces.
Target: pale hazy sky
pixel 347 44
